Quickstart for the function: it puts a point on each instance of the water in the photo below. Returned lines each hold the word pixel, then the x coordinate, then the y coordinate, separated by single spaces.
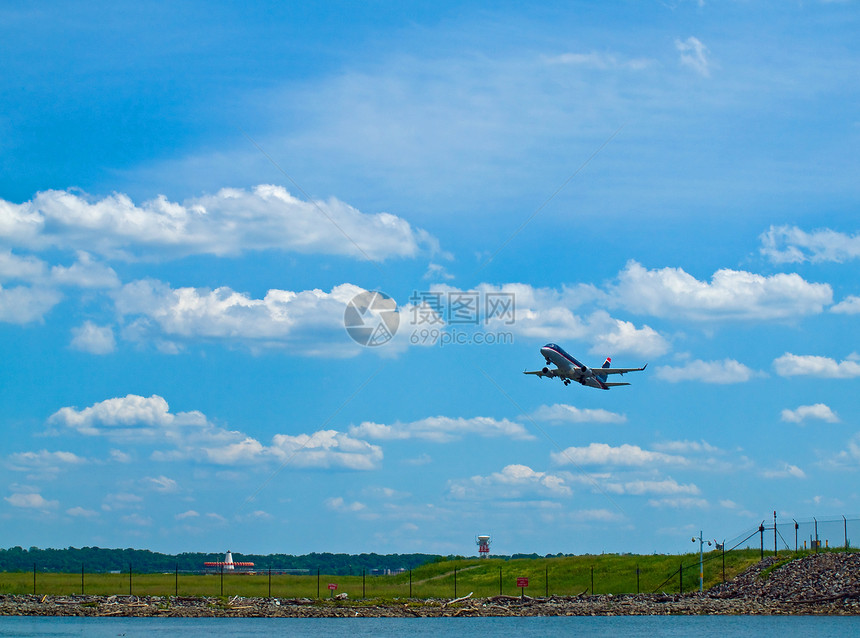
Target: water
pixel 593 627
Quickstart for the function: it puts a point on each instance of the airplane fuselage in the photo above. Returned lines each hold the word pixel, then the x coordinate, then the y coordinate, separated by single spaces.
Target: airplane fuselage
pixel 570 367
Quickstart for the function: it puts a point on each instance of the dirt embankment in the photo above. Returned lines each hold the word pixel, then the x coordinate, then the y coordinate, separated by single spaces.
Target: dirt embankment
pixel 820 584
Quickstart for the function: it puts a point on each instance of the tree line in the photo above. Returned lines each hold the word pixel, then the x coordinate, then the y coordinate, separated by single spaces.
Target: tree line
pixel 97 559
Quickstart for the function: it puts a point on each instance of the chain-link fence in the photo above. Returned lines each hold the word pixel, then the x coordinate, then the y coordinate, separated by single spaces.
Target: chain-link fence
pixel 561 575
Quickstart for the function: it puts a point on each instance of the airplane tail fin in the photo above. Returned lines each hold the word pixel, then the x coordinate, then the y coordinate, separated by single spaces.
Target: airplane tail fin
pixel 606 364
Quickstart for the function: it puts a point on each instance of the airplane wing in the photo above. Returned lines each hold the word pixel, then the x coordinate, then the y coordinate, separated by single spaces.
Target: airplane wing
pixel 618 370
pixel 541 373
pixel 612 385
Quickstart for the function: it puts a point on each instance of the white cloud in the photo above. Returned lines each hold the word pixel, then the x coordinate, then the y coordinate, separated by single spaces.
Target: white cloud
pixel 848 306
pixel 723 372
pixel 137 520
pixel 548 314
pixel 161 484
pixel 190 435
pixel 31 500
pixel 118 456
pixel 81 512
pixel 639 486
pixel 694 54
pixel 338 504
pixel 512 482
pixel 122 417
pixel 604 454
pixel 789 365
pixel 563 413
pixel 731 294
pixel 786 471
pixel 818 411
pixel 281 318
pixel 93 339
pixel 43 460
pixel 849 457
pixel 683 502
pixel 230 222
pixel 600 61
pixel 326 448
pixel 85 273
pixel 601 515
pixel 686 447
pixel 22 304
pixel 187 514
pixel 16 268
pixel 121 501
pixel 789 244
pixel 442 429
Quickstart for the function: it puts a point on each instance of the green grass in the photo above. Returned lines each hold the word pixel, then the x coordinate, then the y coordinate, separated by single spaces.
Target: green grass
pixel 565 576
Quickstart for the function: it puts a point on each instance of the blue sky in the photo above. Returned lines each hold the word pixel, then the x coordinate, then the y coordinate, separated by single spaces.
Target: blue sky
pixel 190 199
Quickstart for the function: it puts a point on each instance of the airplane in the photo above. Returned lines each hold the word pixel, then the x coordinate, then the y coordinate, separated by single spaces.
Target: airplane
pixel 569 369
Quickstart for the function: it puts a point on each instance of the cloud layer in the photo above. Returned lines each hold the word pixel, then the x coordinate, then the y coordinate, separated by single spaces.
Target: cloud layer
pixel 229 222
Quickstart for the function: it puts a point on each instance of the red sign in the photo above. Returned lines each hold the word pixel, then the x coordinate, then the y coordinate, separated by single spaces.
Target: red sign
pixel 332 586
pixel 522 582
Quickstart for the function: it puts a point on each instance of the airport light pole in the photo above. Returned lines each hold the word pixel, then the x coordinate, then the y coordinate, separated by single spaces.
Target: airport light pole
pixel 702 541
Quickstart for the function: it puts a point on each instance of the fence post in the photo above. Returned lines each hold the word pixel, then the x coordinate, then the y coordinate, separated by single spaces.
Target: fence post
pixel 795 535
pixel 270 581
pixel 222 579
pixel 637 579
pixel 592 580
pixel 546 581
pixel 681 578
pixel 129 579
pixel 34 579
pixel 455 582
pixel 82 579
pixel 364 583
pixel 318 583
pixel 761 538
pixel 816 543
pixel 845 524
pixel 176 581
pixel 410 583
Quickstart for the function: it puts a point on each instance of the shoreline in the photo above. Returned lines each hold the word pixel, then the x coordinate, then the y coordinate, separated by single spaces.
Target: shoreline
pixel 824 584
pixel 497 606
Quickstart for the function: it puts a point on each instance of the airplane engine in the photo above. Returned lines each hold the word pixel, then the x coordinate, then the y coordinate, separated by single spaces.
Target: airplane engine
pixel 545 370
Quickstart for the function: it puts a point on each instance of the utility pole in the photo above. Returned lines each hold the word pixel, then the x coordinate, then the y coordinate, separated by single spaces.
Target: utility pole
pixel 774 534
pixel 701 560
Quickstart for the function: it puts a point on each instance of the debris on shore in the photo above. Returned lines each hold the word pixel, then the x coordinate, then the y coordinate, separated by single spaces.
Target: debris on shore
pixel 822 584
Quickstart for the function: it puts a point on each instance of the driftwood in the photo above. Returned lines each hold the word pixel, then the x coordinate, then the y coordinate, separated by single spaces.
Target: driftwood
pixel 458 600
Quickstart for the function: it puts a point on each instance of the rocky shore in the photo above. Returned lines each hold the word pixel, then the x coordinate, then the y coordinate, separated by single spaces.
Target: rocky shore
pixel 824 584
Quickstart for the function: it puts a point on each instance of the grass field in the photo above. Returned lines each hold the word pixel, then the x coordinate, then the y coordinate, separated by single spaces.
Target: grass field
pixel 568 575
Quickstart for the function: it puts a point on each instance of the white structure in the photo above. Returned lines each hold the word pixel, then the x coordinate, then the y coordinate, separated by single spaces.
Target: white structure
pixel 483 546
pixel 228 564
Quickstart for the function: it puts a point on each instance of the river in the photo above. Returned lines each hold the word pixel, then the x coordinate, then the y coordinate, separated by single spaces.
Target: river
pixel 533 627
